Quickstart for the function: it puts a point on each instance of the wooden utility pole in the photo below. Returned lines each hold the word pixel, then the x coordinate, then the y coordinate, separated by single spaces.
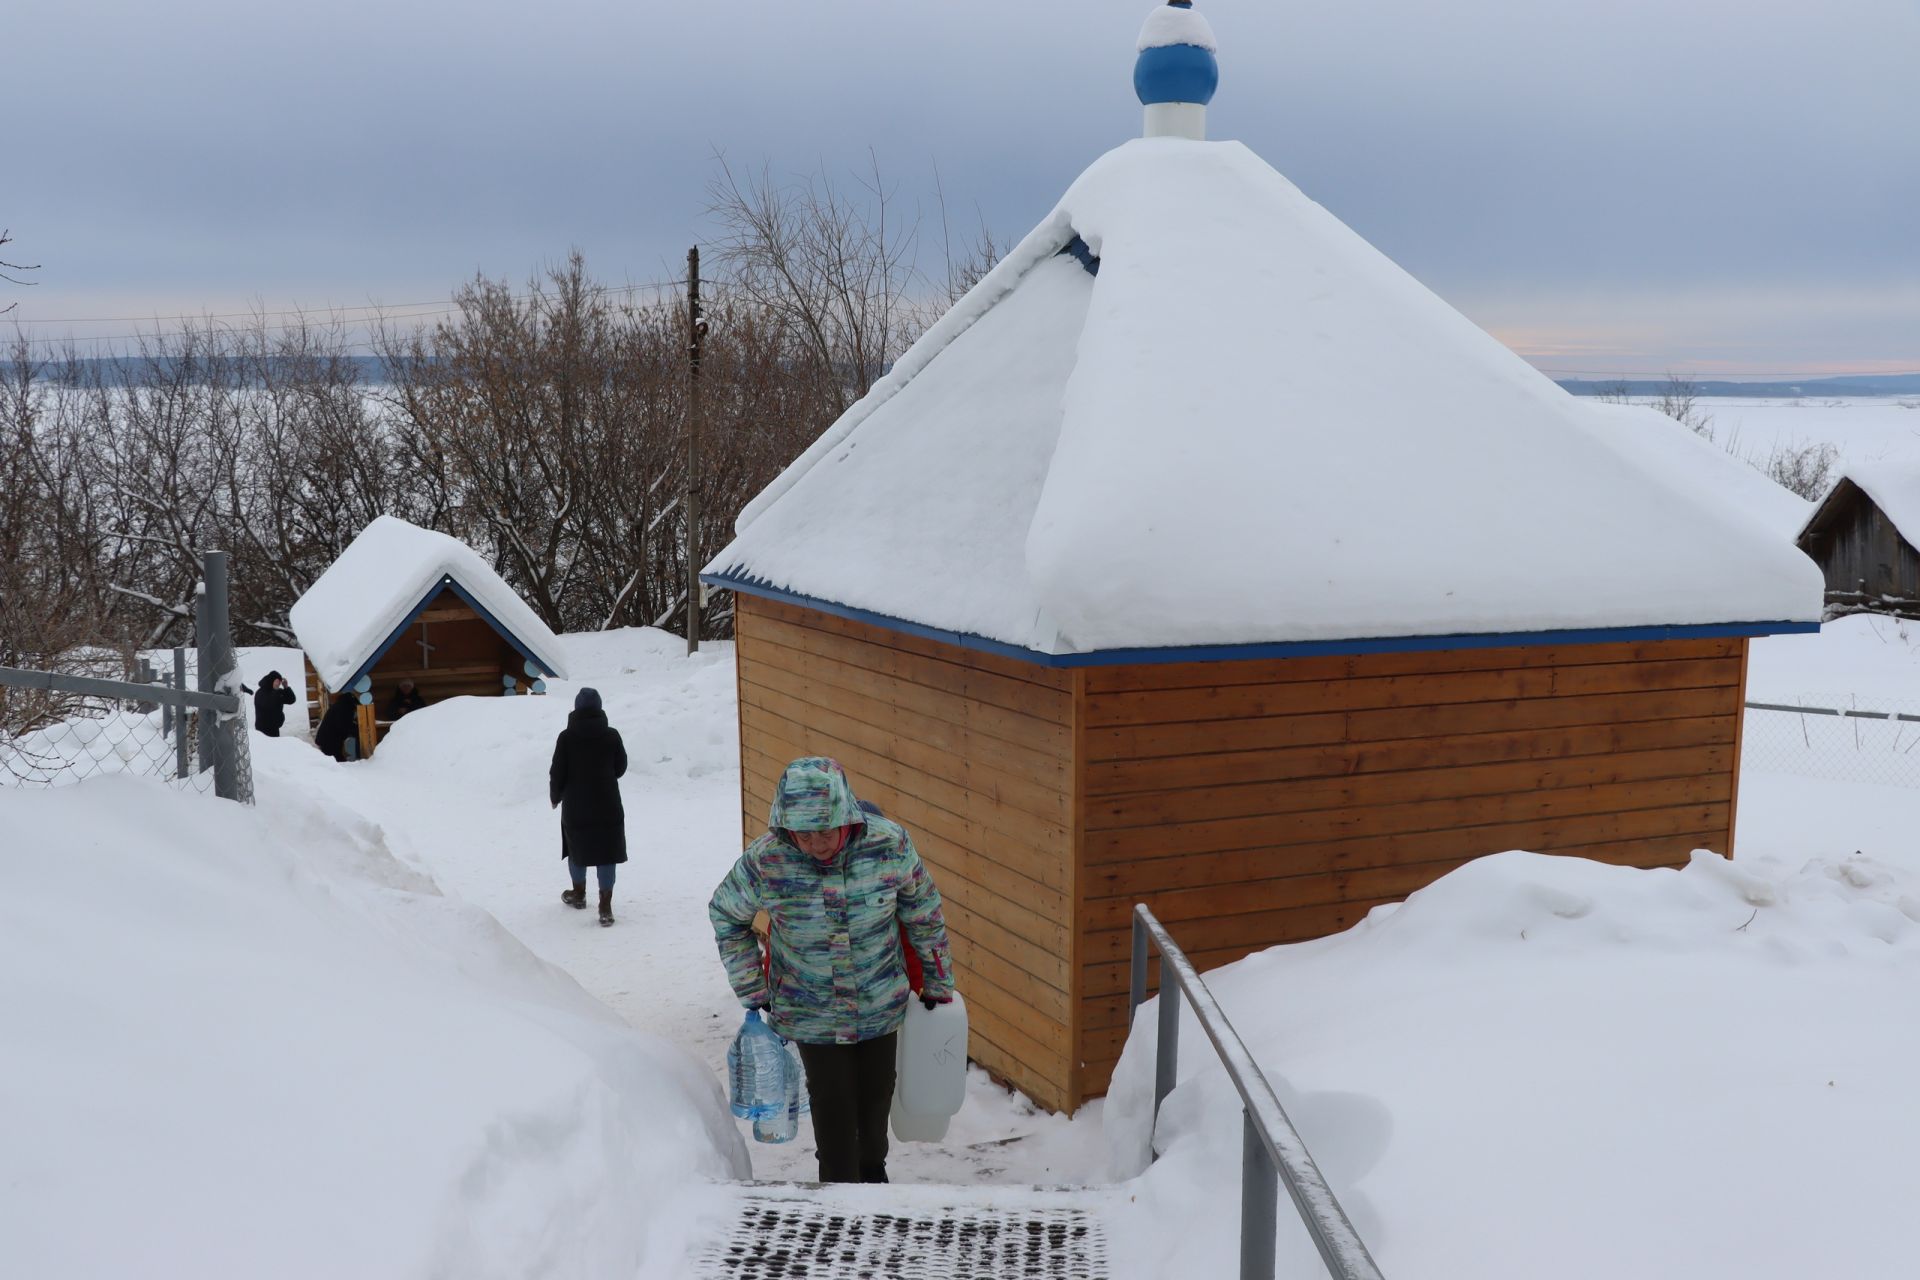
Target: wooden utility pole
pixel 690 503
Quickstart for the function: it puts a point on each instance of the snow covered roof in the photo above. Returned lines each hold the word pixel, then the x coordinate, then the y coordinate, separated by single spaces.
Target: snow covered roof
pixel 1701 466
pixel 1894 487
pixel 1248 428
pixel 351 613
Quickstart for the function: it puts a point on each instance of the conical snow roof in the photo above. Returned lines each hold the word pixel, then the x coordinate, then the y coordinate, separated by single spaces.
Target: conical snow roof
pixel 1192 408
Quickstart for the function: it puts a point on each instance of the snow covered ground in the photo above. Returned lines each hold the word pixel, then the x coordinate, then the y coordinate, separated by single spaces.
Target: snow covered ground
pixel 1862 428
pixel 355 1032
pixel 246 1042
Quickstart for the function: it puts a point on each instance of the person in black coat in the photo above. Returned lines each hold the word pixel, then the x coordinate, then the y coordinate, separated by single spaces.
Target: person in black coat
pixel 338 725
pixel 405 698
pixel 584 784
pixel 270 703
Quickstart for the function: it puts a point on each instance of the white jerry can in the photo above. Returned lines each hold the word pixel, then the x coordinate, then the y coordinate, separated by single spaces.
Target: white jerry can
pixel 912 1128
pixel 930 1080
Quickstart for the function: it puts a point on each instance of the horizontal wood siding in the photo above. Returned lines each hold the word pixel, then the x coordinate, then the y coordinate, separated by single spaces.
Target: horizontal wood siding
pixel 1256 803
pixel 973 753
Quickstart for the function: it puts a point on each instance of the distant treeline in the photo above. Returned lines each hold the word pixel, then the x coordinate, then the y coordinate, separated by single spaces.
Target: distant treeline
pixel 1890 384
pixel 546 426
pixel 372 371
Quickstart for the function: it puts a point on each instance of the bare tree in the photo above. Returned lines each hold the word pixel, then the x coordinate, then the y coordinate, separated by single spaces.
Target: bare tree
pixel 1679 399
pixel 6 238
pixel 833 266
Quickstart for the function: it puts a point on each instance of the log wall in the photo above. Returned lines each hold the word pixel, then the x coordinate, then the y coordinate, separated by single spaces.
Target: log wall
pixel 973 753
pixel 1866 562
pixel 1256 803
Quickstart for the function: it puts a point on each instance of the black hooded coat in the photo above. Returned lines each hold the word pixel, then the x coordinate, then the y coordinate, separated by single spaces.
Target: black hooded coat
pixel 270 706
pixel 588 761
pixel 338 724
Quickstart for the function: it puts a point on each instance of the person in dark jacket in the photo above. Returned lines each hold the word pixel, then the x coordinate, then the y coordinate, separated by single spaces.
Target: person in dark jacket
pixel 270 703
pixel 584 784
pixel 338 725
pixel 405 698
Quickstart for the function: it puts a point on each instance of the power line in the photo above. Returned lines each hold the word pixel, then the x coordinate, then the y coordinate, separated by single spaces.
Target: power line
pixel 310 317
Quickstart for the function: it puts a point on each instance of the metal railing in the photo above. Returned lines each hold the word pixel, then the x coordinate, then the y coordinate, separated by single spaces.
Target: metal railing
pixel 196 732
pixel 1271 1150
pixel 1829 735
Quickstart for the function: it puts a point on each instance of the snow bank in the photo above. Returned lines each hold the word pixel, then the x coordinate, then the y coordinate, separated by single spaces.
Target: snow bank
pixel 1549 1066
pixel 252 1042
pixel 378 580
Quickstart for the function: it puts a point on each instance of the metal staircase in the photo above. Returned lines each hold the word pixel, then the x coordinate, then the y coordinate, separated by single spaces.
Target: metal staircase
pixel 805 1231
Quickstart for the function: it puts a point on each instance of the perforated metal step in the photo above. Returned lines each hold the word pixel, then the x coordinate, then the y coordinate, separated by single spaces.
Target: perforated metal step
pixel 797 1232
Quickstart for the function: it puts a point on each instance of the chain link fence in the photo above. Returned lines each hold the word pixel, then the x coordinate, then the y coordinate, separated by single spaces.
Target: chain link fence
pixel 182 718
pixel 1839 737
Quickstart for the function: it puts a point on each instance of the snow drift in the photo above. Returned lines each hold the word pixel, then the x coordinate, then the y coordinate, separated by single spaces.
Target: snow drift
pixel 252 1042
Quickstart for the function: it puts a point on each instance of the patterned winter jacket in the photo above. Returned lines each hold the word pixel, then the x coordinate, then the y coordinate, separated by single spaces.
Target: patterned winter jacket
pixel 837 975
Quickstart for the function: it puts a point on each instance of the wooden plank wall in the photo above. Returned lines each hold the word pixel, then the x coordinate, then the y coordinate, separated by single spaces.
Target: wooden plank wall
pixel 1255 803
pixel 974 754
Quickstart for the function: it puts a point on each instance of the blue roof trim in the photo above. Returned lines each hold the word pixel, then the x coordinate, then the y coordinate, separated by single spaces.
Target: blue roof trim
pixel 1275 649
pixel 446 583
pixel 1080 251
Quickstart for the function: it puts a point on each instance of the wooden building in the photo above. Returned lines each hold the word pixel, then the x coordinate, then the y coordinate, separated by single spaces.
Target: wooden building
pixel 1856 537
pixel 1200 557
pixel 408 604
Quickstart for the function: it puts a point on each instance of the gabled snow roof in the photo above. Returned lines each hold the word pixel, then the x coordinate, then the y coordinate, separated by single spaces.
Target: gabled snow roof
pixel 1248 428
pixel 383 577
pixel 1894 487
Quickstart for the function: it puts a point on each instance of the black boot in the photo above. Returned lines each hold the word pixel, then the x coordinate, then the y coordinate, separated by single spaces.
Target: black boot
pixel 576 897
pixel 606 906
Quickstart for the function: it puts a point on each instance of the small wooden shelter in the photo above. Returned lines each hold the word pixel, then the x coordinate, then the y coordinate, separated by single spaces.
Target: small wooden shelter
pixel 1863 537
pixel 1200 556
pixel 406 603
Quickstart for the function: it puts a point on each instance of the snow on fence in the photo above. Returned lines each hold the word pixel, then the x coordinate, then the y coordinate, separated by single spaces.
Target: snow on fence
pixel 59 727
pixel 1843 739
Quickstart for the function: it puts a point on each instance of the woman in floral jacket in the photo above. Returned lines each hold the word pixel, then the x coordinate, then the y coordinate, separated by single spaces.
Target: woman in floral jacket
pixel 841 887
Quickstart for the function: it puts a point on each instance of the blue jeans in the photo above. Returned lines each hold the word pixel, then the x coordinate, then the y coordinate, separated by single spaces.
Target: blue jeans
pixel 579 874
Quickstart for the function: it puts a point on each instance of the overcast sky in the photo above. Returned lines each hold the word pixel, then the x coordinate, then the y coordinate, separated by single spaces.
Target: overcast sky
pixel 1702 186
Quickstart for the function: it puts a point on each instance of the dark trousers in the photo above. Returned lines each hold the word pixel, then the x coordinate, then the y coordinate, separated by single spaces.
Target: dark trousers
pixel 850 1088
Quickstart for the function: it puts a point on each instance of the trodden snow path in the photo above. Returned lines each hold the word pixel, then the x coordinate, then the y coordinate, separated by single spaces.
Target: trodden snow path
pixel 461 792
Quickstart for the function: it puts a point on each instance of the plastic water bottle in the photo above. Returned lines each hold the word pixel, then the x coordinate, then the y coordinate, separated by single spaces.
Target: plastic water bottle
pixel 798 1071
pixel 783 1122
pixel 756 1070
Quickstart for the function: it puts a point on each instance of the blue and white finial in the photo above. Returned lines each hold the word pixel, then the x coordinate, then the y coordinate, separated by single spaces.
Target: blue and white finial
pixel 1176 73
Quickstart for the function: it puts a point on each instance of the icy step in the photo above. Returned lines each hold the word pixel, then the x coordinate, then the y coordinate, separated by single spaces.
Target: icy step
pixel 790 1231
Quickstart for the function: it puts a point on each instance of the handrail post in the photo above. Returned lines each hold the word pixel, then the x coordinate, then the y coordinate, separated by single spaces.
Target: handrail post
pixel 1259 1203
pixel 1166 1051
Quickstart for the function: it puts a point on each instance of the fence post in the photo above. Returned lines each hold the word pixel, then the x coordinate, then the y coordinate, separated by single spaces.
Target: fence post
pixel 217 738
pixel 143 674
pixel 1259 1203
pixel 181 770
